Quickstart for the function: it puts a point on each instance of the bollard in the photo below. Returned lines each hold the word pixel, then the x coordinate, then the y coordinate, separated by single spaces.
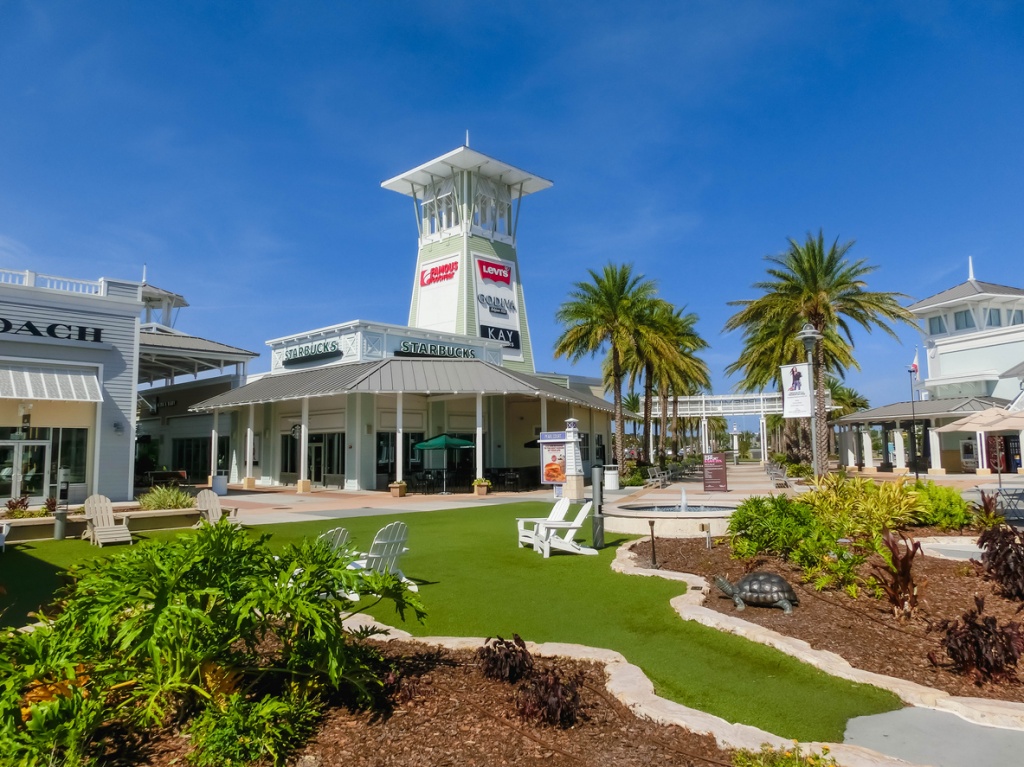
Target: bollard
pixel 654 554
pixel 60 521
pixel 597 487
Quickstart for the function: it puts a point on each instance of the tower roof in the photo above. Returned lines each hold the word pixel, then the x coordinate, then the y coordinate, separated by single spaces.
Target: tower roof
pixel 962 292
pixel 461 159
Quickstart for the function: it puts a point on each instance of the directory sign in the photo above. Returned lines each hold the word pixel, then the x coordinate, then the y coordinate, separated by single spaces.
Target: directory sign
pixel 715 480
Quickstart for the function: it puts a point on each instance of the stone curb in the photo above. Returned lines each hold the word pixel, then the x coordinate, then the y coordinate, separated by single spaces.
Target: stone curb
pixel 991 713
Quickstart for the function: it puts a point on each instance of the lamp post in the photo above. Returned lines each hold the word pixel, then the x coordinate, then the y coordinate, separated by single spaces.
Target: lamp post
pixel 913 426
pixel 809 336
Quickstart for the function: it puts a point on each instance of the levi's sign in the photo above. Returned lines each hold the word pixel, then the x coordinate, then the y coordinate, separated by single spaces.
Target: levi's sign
pixel 319 350
pixel 54 330
pixel 495 272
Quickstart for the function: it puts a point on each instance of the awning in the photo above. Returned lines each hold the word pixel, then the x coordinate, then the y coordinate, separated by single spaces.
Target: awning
pixel 64 384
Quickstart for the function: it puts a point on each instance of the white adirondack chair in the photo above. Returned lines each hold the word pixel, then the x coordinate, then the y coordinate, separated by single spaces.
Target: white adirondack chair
pixel 210 510
pixel 5 528
pixel 101 525
pixel 559 535
pixel 387 547
pixel 337 537
pixel 528 525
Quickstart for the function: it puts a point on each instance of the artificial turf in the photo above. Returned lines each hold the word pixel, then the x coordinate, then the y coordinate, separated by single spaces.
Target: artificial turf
pixel 474 581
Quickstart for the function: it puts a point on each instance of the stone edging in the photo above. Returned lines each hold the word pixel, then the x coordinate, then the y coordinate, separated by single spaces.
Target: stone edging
pixel 993 713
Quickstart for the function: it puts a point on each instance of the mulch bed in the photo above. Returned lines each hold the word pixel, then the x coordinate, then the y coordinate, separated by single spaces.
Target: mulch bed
pixel 445 712
pixel 862 630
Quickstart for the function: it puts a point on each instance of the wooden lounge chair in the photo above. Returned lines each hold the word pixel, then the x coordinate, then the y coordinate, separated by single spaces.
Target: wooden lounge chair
pixel 387 547
pixel 210 510
pixel 559 535
pixel 527 526
pixel 337 537
pixel 101 525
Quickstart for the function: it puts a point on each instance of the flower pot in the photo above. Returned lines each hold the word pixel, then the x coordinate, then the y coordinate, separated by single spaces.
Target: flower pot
pixel 397 491
pixel 480 489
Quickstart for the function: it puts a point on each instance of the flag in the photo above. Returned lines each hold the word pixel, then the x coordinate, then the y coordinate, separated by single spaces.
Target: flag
pixel 914 368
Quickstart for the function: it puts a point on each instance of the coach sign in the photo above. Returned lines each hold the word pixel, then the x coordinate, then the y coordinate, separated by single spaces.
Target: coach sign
pixel 714 473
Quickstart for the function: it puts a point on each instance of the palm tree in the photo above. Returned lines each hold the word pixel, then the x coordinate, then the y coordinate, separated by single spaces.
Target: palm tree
pixel 609 313
pixel 810 283
pixel 685 372
pixel 631 402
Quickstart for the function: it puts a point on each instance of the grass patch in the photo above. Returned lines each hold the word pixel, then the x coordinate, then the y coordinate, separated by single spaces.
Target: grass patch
pixel 474 581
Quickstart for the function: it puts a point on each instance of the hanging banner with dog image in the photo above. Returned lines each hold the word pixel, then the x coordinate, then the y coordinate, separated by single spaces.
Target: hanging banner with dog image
pixel 797 390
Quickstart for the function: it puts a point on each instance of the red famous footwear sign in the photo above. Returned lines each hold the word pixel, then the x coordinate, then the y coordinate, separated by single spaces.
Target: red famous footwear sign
pixel 439 273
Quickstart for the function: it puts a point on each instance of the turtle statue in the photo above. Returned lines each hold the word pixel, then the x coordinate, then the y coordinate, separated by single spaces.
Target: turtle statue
pixel 762 589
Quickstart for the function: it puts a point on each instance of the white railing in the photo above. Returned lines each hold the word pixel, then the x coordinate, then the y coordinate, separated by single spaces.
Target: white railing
pixel 65 284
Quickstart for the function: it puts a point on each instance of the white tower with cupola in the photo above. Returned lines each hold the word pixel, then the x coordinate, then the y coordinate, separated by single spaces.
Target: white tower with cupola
pixel 467 276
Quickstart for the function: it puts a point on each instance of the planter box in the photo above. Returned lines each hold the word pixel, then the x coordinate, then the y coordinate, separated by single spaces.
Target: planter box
pixel 481 489
pixel 41 528
pixel 398 491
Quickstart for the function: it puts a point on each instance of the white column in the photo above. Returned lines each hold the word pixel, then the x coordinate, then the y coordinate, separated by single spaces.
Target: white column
pixel 543 414
pixel 764 439
pixel 851 446
pixel 249 480
pixel 901 455
pixel 935 448
pixel 214 438
pixel 479 436
pixel 982 454
pixel 869 459
pixel 399 440
pixel 705 443
pixel 304 485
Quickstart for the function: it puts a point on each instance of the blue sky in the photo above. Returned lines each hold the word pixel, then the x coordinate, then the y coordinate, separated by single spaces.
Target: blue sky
pixel 237 149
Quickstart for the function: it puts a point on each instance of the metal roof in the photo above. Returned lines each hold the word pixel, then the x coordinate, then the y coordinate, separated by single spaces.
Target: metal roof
pixel 965 290
pixel 428 376
pixel 465 158
pixel 165 355
pixel 1017 371
pixel 923 409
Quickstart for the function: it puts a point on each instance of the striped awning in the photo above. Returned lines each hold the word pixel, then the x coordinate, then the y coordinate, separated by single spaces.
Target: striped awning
pixel 38 382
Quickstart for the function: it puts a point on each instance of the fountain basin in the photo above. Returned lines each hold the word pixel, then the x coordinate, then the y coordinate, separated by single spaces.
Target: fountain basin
pixel 669 520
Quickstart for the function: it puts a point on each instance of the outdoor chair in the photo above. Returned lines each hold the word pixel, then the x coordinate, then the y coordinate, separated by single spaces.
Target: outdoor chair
pixel 337 537
pixel 5 529
pixel 210 510
pixel 387 547
pixel 559 535
pixel 1012 501
pixel 528 525
pixel 101 525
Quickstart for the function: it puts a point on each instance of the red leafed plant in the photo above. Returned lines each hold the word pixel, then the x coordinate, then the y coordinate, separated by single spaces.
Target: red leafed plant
pixel 979 647
pixel 896 579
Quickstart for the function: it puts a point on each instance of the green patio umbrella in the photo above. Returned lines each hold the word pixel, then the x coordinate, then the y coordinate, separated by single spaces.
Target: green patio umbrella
pixel 443 442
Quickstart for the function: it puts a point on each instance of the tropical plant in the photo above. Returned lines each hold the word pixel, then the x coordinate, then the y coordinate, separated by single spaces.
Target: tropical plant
pixel 942 507
pixel 166 497
pixel 783 757
pixel 161 631
pixel 896 579
pixel 986 514
pixel 549 698
pixel 978 646
pixel 1002 556
pixel 610 313
pixel 815 284
pixel 506 660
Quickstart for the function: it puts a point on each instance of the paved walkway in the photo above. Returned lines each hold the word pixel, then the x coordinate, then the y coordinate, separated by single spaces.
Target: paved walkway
pixel 920 736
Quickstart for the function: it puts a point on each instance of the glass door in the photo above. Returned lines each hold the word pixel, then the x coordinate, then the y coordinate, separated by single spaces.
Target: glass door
pixel 23 471
pixel 316 463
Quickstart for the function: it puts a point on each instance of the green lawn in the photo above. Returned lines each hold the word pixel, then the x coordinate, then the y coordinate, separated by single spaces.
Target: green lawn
pixel 474 581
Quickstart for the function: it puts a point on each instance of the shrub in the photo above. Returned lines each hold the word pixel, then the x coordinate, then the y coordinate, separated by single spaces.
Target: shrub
pixel 165 629
pixel 986 514
pixel 167 497
pixel 1002 556
pixel 50 505
pixel 896 578
pixel 507 660
pixel 942 507
pixel 17 504
pixel 242 731
pixel 548 698
pixel 799 470
pixel 768 525
pixel 979 647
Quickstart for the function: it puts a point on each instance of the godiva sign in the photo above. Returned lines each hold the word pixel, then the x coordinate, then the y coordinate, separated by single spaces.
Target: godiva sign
pixel 318 350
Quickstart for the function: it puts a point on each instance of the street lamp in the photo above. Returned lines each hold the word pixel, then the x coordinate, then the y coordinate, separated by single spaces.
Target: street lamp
pixel 913 424
pixel 809 336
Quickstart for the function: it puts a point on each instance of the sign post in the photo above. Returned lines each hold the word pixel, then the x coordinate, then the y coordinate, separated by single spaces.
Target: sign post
pixel 715 480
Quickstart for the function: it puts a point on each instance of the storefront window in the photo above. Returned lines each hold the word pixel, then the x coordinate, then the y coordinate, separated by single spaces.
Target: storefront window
pixel 72 453
pixel 193 455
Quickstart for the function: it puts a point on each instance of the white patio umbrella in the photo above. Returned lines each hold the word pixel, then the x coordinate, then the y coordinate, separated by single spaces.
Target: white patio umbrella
pixel 993 419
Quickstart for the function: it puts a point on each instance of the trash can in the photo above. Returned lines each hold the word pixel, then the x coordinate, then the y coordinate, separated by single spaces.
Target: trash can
pixel 611 477
pixel 220 483
pixel 60 524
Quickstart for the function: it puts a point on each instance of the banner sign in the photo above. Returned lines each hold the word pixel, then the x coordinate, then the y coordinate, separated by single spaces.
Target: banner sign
pixel 797 390
pixel 715 479
pixel 438 304
pixel 497 305
pixel 553 446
